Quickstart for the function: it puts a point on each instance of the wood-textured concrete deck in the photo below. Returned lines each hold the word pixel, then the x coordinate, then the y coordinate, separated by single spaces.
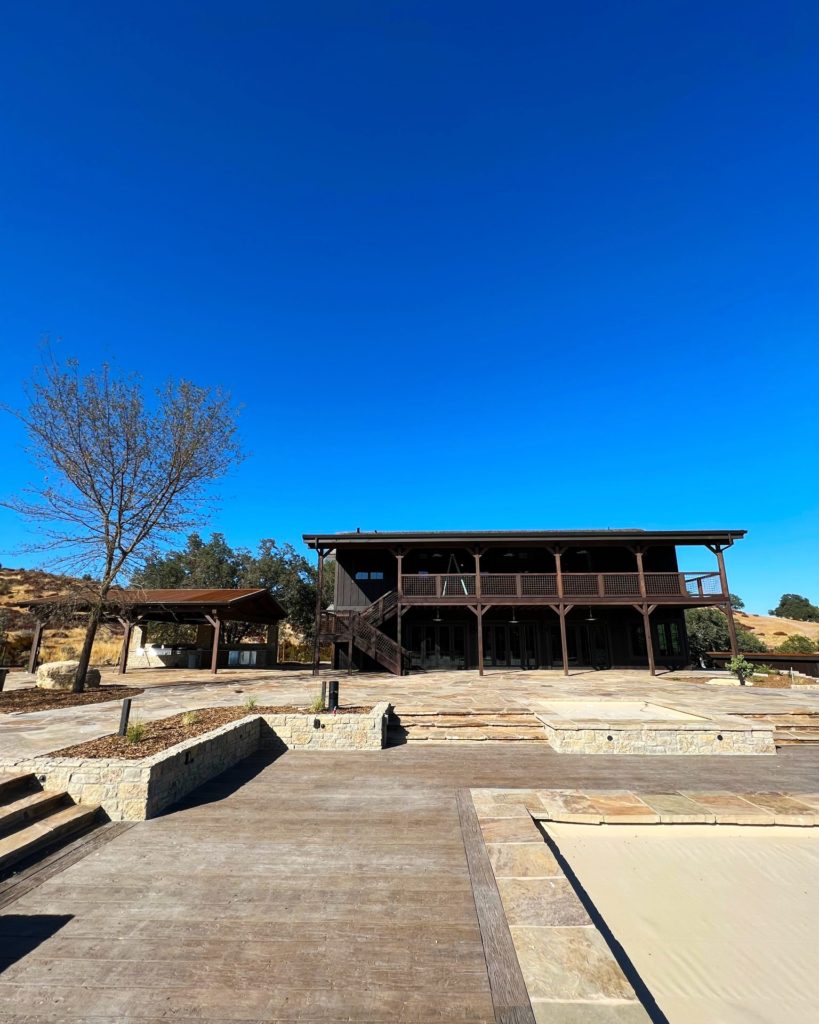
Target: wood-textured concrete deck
pixel 320 887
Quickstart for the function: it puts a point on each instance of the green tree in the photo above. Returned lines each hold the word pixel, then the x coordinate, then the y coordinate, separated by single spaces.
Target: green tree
pixel 794 606
pixel 736 602
pixel 118 470
pixel 707 630
pixel 797 644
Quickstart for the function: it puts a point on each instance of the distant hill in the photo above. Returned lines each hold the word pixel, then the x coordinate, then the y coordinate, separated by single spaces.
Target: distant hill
pixel 20 585
pixel 772 630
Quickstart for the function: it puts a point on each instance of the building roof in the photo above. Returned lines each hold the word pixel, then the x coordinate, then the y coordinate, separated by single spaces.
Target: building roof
pixel 186 606
pixel 537 537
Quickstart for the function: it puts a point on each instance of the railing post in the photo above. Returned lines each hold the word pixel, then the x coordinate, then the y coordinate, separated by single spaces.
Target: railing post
pixel 601 587
pixel 518 584
pixel 559 572
pixel 641 576
pixel 477 573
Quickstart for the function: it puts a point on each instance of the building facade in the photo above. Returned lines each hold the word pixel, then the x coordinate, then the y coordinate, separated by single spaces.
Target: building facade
pixel 410 602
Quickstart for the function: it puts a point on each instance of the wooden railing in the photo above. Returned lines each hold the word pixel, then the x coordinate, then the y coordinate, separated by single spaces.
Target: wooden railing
pixel 623 585
pixel 337 626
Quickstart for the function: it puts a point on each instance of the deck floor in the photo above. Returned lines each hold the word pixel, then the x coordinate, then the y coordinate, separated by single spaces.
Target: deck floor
pixel 318 887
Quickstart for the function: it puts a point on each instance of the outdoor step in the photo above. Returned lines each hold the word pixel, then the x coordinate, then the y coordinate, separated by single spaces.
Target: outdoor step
pixel 12 785
pixel 28 807
pixel 51 829
pixel 442 735
pixel 468 723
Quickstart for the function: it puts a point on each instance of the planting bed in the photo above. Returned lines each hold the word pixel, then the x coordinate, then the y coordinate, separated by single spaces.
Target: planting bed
pixel 34 699
pixel 167 732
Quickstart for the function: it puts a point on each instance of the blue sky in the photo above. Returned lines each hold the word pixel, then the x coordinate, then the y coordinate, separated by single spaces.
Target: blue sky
pixel 465 265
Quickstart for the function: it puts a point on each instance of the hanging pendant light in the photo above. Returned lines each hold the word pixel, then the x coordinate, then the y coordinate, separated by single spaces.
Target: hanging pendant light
pixel 438 615
pixel 514 620
pixel 590 617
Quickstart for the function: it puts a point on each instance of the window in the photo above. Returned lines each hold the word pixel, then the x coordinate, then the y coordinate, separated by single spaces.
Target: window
pixel 369 575
pixel 637 637
pixel 669 640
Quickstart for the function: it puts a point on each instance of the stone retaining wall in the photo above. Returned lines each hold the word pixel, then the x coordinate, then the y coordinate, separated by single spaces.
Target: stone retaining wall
pixel 712 737
pixel 136 790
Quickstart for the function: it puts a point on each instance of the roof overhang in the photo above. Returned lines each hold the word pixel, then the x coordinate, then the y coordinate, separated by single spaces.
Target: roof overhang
pixel 600 538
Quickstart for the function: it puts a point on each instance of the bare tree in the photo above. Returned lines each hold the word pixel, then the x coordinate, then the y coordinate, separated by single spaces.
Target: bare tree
pixel 119 471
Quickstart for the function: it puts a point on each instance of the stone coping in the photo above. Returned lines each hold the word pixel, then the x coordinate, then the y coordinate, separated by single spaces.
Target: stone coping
pixel 627 807
pixel 725 723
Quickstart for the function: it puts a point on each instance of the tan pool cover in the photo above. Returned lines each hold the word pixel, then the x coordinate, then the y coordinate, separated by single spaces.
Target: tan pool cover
pixel 721 921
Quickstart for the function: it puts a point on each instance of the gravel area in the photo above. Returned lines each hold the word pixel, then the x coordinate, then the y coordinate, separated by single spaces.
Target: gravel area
pixel 34 699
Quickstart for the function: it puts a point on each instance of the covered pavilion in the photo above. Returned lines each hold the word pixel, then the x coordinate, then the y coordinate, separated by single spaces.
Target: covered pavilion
pixel 132 607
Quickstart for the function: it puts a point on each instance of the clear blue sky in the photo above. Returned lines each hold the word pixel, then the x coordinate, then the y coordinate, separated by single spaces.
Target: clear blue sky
pixel 466 265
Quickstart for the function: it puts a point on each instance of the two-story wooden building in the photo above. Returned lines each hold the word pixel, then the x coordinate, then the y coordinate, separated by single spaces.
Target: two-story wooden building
pixel 520 599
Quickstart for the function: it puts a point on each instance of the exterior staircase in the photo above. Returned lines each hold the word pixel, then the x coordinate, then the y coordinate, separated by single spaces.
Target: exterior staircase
pixel 363 628
pixel 465 727
pixel 33 819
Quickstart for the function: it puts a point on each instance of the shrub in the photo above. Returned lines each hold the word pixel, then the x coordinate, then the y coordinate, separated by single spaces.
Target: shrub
pixel 741 668
pixel 317 705
pixel 250 704
pixel 135 733
pixel 797 644
pixel 190 718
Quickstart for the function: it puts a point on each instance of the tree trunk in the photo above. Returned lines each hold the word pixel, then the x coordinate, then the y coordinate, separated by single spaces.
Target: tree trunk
pixel 85 655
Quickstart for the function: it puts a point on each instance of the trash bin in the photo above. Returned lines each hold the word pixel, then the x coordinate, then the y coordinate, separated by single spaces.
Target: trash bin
pixel 332 695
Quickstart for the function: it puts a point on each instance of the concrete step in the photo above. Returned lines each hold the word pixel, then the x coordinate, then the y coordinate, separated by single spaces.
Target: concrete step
pixel 28 807
pixel 55 827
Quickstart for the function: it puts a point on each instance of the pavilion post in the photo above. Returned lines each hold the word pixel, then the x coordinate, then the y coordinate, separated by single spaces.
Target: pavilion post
pixel 36 641
pixel 399 590
pixel 319 589
pixel 641 576
pixel 127 626
pixel 479 613
pixel 216 622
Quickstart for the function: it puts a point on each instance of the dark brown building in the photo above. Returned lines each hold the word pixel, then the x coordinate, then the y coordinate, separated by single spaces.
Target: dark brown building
pixel 522 599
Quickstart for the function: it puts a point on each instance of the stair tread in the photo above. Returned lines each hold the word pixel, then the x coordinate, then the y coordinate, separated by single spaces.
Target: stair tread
pixel 43 832
pixel 10 782
pixel 26 806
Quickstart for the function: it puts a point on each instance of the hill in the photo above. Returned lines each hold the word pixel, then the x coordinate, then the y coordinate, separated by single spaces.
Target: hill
pixel 20 585
pixel 772 630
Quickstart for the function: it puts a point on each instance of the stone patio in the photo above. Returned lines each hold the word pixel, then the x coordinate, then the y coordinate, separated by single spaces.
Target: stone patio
pixel 169 691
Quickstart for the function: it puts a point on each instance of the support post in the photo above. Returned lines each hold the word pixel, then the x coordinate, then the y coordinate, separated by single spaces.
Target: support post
pixel 718 550
pixel 559 570
pixel 641 576
pixel 646 610
pixel 128 627
pixel 563 641
pixel 215 621
pixel 350 654
pixel 479 613
pixel 319 589
pixel 36 641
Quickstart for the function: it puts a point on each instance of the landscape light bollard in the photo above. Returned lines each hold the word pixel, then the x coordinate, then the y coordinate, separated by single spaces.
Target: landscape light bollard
pixel 126 714
pixel 324 693
pixel 332 696
pixel 3 673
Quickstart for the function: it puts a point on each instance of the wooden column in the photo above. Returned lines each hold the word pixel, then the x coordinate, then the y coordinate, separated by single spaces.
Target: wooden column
pixel 718 550
pixel 559 570
pixel 645 610
pixel 479 613
pixel 563 642
pixel 641 576
pixel 319 588
pixel 399 589
pixel 214 620
pixel 128 627
pixel 36 640
pixel 349 654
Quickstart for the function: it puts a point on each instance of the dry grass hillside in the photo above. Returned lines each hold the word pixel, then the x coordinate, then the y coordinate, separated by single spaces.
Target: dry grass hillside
pixel 20 585
pixel 772 630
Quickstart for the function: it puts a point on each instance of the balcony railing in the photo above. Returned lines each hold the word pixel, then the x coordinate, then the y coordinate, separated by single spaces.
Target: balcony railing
pixel 622 585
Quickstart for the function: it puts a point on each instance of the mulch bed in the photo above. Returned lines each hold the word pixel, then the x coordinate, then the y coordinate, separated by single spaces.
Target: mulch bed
pixel 167 732
pixel 33 699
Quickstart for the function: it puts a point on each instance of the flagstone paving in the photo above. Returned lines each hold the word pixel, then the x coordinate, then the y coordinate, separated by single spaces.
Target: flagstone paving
pixel 323 887
pixel 169 691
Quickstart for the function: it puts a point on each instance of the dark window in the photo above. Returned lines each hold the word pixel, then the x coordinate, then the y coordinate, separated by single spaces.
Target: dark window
pixel 376 575
pixel 362 575
pixel 637 638
pixel 369 575
pixel 669 640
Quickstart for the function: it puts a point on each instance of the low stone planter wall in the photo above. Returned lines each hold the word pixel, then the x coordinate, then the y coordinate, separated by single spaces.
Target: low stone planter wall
pixel 136 790
pixel 715 736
